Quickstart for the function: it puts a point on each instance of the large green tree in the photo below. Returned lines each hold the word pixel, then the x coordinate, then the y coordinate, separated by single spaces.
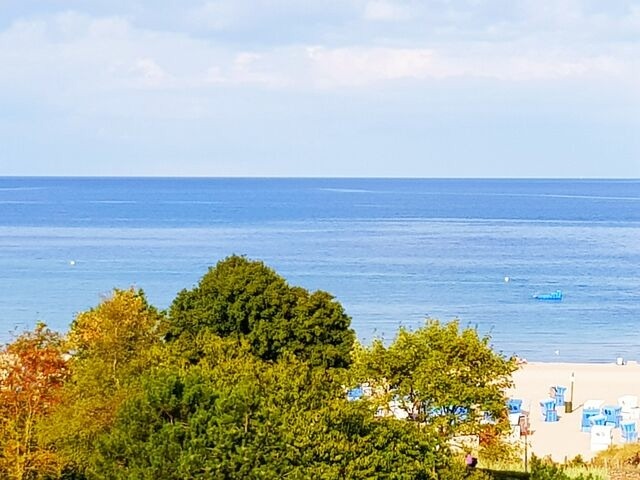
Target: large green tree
pixel 244 298
pixel 233 416
pixel 442 375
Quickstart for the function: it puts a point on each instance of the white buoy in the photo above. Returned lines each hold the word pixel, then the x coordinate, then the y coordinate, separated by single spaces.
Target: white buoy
pixel 506 279
pixel 72 262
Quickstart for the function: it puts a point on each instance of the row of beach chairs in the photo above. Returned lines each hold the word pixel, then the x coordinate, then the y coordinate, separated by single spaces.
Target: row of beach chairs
pixel 598 419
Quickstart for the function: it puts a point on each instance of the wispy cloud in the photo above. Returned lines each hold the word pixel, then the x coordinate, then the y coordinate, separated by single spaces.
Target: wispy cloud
pixel 361 66
pixel 94 53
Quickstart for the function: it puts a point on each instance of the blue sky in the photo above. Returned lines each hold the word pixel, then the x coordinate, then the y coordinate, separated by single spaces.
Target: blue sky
pixel 415 88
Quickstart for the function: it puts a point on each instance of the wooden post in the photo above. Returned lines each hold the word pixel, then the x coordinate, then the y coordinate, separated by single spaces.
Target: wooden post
pixel 573 377
pixel 526 453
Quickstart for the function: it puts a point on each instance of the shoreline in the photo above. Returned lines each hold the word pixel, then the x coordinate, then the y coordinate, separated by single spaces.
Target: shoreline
pixel 580 364
pixel 564 440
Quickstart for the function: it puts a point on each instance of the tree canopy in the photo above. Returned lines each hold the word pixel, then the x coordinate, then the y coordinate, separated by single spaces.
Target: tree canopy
pixel 442 375
pixel 243 377
pixel 243 298
pixel 236 416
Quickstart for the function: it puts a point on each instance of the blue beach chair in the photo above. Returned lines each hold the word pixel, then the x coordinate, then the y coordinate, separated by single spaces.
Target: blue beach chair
pixel 560 395
pixel 551 416
pixel 546 405
pixel 355 394
pixel 613 414
pixel 515 405
pixel 598 419
pixel 590 409
pixel 628 431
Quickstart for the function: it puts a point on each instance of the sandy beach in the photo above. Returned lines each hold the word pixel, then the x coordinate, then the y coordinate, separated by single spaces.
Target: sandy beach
pixel 564 439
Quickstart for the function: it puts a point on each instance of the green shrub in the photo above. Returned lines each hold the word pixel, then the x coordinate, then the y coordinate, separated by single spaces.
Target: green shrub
pixel 502 453
pixel 542 469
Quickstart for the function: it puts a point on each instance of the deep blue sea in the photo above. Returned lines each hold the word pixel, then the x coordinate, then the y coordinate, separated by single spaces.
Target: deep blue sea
pixel 393 251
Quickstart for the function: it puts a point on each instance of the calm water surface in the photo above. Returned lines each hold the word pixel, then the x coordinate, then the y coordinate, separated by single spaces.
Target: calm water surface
pixel 392 251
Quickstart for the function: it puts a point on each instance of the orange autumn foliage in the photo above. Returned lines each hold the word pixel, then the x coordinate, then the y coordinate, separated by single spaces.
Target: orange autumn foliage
pixel 33 369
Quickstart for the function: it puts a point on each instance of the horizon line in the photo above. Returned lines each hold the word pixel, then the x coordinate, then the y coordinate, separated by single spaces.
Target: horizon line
pixel 311 177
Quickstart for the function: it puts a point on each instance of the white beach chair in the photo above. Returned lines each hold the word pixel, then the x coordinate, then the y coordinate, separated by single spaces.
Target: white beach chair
pixel 397 410
pixel 514 435
pixel 400 413
pixel 514 418
pixel 629 407
pixel 593 404
pixel 601 437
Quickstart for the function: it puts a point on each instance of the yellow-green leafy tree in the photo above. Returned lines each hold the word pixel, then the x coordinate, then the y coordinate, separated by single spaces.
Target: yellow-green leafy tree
pixel 442 375
pixel 111 345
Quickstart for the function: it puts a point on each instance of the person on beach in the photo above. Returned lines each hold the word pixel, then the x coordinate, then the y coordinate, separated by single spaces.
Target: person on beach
pixel 520 360
pixel 470 460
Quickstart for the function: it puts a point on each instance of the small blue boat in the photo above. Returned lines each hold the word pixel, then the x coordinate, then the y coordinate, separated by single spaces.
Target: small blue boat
pixel 557 295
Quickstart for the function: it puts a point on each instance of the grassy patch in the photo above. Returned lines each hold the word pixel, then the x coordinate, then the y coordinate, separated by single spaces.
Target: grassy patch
pixel 503 470
pixel 620 457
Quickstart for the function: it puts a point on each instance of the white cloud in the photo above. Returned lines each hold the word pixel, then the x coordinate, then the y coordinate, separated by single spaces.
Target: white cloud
pixel 246 69
pixel 77 53
pixel 63 57
pixel 360 66
pixel 150 72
